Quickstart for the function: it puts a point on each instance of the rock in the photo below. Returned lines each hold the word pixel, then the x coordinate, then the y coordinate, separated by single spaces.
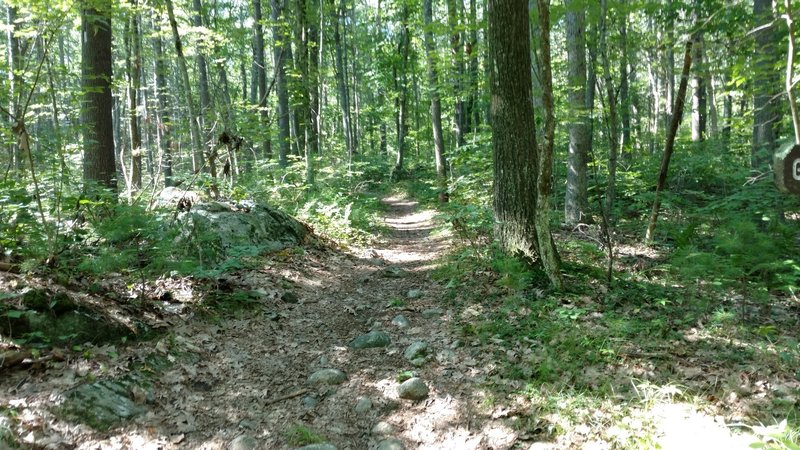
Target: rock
pixel 446 356
pixel 290 297
pixel 432 313
pixel 372 339
pixel 382 429
pixel 173 196
pixel 220 228
pixel 101 404
pixel 327 376
pixel 243 442
pixel 400 321
pixel 416 350
pixel 323 446
pixel 393 272
pixel 391 444
pixel 414 293
pixel 247 424
pixel 309 402
pixel 413 389
pixel 363 405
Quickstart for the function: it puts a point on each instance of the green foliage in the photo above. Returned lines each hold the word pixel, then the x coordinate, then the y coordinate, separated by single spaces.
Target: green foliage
pixel 299 435
pixel 777 437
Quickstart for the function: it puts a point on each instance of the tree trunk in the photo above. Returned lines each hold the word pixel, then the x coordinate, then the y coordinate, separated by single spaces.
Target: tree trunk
pixel 402 90
pixel 341 82
pixel 611 123
pixel 453 22
pixel 134 67
pixel 624 90
pixel 699 104
pixel 436 104
pixel 14 83
pixel 98 139
pixel 313 40
pixel 576 202
pixel 259 83
pixel 279 55
pixel 163 122
pixel 515 192
pixel 765 85
pixel 670 142
pixel 198 160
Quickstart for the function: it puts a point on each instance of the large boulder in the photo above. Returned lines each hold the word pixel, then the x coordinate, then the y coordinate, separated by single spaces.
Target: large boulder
pixel 222 228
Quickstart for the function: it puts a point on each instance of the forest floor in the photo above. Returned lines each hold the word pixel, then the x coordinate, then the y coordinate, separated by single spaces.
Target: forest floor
pixel 240 379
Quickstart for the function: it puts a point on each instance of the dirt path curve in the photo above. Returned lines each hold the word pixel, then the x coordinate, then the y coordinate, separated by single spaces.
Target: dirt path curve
pixel 241 380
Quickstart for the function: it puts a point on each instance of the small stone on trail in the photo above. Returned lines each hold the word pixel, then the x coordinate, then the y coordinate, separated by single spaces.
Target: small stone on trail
pixel 391 444
pixel 309 402
pixel 432 313
pixel 416 350
pixel 363 405
pixel 323 446
pixel 400 321
pixel 372 339
pixel 393 272
pixel 413 389
pixel 382 429
pixel 414 293
pixel 243 442
pixel 289 297
pixel 327 376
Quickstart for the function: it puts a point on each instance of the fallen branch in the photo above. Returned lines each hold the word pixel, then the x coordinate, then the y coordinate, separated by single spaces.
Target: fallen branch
pixel 286 397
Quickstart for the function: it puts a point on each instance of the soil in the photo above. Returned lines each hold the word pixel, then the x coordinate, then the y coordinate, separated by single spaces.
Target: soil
pixel 217 377
pixel 247 373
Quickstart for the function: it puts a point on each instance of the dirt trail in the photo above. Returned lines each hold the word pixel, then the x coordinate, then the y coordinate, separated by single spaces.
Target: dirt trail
pixel 247 373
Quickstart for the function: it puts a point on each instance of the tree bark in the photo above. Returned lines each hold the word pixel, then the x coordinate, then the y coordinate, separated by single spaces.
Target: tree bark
pixel 576 202
pixel 670 142
pixel 453 22
pixel 436 104
pixel 699 95
pixel 99 164
pixel 612 119
pixel 279 56
pixel 341 81
pixel 198 159
pixel 765 85
pixel 134 67
pixel 515 192
pixel 163 122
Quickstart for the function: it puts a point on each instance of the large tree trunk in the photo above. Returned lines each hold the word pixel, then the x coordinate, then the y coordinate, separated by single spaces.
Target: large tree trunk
pixel 576 200
pixel 279 55
pixel 765 84
pixel 516 192
pixel 436 104
pixel 98 139
pixel 198 159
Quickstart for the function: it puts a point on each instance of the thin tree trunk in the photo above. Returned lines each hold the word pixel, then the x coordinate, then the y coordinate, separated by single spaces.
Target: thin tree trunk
pixel 134 68
pixel 436 104
pixel 699 102
pixel 670 142
pixel 765 85
pixel 279 57
pixel 198 160
pixel 611 98
pixel 456 42
pixel 341 82
pixel 163 122
pixel 576 201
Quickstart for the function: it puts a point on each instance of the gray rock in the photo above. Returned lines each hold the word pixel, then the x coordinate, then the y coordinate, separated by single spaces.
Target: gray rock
pixel 416 350
pixel 327 376
pixel 222 228
pixel 101 404
pixel 363 405
pixel 446 356
pixel 309 402
pixel 432 313
pixel 372 339
pixel 413 389
pixel 290 297
pixel 323 446
pixel 247 424
pixel 400 321
pixel 382 429
pixel 243 442
pixel 391 444
pixel 393 272
pixel 414 293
